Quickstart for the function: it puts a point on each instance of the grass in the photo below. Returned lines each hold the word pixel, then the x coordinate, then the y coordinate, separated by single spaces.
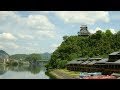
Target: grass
pixel 55 76
pixel 61 73
pixel 69 72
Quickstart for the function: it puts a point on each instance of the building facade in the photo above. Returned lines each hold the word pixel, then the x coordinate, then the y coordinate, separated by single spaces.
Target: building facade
pixel 105 65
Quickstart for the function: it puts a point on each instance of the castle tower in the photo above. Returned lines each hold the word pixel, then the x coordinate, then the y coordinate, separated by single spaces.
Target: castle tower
pixel 83 31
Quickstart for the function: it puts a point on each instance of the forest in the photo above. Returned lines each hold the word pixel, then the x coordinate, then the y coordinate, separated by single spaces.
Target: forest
pixel 99 44
pixel 41 56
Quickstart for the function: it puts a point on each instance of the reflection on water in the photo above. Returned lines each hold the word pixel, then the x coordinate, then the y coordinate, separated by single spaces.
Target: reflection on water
pixel 23 72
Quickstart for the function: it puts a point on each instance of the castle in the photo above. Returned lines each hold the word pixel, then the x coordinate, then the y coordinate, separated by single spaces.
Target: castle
pixel 84 31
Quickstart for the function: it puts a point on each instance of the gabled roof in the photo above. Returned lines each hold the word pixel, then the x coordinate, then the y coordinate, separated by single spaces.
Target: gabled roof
pixel 104 60
pixel 83 59
pixel 93 62
pixel 86 62
pixel 115 53
pixel 96 59
pixel 75 62
pixel 118 61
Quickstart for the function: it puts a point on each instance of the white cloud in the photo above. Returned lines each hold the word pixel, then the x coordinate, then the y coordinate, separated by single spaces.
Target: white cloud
pixel 39 22
pixel 9 45
pixel 25 36
pixel 13 45
pixel 23 29
pixel 94 31
pixel 1 47
pixel 113 31
pixel 4 14
pixel 53 47
pixel 17 23
pixel 115 16
pixel 29 48
pixel 7 36
pixel 83 17
pixel 48 34
pixel 39 12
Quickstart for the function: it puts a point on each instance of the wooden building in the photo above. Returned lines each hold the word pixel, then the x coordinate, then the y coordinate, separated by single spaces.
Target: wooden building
pixel 105 65
pixel 114 56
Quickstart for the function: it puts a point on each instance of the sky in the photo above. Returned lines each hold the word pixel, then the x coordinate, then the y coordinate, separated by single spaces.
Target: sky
pixel 26 32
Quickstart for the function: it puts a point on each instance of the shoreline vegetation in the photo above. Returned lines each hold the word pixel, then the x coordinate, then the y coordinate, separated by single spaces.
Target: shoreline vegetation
pixel 63 74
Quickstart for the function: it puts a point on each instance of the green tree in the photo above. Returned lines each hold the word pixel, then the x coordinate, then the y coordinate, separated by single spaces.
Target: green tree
pixel 98 34
pixel 108 33
pixel 33 58
pixel 65 38
pixel 99 44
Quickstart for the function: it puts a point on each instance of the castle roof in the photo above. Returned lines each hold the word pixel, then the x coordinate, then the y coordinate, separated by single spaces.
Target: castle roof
pixel 84 31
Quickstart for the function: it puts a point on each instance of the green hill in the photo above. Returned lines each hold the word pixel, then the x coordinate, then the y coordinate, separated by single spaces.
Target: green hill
pixel 3 52
pixel 99 44
pixel 46 56
pixel 3 55
pixel 19 56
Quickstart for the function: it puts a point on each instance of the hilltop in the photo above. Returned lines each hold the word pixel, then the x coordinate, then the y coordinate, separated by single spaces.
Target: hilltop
pixel 46 56
pixel 3 55
pixel 99 44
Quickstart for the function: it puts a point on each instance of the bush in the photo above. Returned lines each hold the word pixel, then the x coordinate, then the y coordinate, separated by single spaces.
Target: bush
pixel 14 63
pixel 20 63
pixel 61 64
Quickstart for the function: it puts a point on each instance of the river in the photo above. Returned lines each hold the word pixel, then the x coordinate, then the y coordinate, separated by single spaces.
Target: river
pixel 23 72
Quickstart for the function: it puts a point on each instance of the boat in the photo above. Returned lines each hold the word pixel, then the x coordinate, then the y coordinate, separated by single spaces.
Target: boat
pixel 90 74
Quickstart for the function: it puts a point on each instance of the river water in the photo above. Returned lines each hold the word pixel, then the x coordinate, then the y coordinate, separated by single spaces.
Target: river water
pixel 23 72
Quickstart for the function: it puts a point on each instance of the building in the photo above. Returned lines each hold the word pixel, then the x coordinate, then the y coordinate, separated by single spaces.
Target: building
pixel 83 31
pixel 114 56
pixel 105 65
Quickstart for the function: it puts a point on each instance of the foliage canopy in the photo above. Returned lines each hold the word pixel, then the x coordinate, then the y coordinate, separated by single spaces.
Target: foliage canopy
pixel 99 44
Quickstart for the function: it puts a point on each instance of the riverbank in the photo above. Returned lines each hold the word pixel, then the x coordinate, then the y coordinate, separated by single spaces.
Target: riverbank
pixel 63 74
pixel 66 74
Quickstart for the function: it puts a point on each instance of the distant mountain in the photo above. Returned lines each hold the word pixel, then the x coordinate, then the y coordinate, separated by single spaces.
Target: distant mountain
pixel 46 56
pixel 19 56
pixel 3 55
